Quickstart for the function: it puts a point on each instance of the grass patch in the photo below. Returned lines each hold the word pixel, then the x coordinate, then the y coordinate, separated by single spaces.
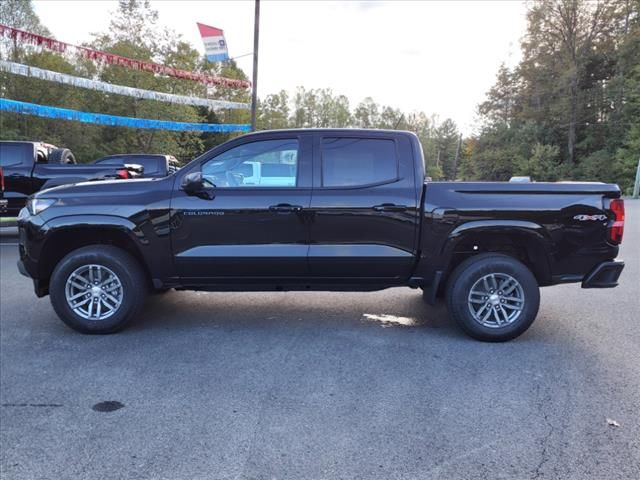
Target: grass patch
pixel 8 221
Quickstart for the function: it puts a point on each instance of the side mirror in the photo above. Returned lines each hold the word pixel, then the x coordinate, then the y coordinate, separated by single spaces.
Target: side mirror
pixel 193 184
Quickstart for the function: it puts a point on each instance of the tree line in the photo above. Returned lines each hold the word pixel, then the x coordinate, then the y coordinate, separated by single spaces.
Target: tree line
pixel 570 110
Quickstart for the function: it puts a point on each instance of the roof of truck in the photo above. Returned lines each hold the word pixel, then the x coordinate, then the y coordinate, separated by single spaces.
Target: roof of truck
pixel 335 130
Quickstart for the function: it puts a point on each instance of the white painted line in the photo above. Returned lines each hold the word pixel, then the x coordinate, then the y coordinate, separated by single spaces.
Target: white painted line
pixel 14 244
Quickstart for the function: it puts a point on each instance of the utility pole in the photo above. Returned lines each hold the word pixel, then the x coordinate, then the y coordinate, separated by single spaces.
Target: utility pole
pixel 254 84
pixel 636 187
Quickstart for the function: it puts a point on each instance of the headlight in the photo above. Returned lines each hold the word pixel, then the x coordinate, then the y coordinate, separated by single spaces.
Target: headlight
pixel 38 205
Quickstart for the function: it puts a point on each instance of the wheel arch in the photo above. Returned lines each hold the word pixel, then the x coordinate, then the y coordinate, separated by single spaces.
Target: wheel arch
pixel 65 234
pixel 525 241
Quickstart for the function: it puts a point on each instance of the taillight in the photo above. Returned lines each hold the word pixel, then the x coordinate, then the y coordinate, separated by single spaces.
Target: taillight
pixel 616 230
pixel 123 173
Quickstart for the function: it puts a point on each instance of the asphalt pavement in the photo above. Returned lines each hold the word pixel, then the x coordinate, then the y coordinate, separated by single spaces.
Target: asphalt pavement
pixel 322 386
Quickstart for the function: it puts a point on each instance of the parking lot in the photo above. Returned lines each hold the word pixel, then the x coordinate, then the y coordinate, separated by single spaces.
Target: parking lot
pixel 321 386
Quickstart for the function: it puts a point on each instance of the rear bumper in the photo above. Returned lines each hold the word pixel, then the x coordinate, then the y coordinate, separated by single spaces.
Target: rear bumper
pixel 604 275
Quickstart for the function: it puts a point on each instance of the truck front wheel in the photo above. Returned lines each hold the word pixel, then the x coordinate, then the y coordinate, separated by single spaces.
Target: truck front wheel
pixel 97 289
pixel 493 297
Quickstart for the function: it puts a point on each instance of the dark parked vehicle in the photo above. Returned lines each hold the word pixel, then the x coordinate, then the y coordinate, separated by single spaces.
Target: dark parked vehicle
pixel 154 165
pixel 28 167
pixel 342 210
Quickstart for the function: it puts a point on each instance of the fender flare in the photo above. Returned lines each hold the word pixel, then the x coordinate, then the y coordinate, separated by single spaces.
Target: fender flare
pixel 51 229
pixel 535 237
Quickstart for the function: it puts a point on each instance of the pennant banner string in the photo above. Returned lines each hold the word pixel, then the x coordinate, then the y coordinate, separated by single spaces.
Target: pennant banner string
pixel 33 72
pixel 113 59
pixel 114 120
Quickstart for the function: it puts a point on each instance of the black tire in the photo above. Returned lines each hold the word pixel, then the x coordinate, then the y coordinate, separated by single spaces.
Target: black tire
pixel 123 265
pixel 473 270
pixel 62 156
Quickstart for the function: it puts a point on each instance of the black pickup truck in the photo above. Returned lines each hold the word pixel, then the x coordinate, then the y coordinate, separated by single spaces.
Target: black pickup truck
pixel 154 165
pixel 27 167
pixel 338 210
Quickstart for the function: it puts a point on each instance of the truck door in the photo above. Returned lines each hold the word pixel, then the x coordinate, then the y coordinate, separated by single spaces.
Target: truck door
pixel 246 229
pixel 16 161
pixel 364 210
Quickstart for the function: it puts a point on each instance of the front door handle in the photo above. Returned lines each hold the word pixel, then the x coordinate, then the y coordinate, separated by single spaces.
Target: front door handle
pixel 285 208
pixel 389 207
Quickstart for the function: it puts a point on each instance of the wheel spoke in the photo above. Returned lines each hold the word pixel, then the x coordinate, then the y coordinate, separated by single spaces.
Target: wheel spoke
pixel 506 316
pixel 79 304
pixel 494 311
pixel 513 299
pixel 111 306
pixel 79 278
pixel 480 310
pixel 504 284
pixel 512 307
pixel 112 298
pixel 77 285
pixel 511 288
pixel 78 295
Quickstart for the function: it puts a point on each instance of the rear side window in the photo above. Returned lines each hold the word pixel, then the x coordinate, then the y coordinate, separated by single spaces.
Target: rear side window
pixel 15 154
pixel 352 162
pixel 110 161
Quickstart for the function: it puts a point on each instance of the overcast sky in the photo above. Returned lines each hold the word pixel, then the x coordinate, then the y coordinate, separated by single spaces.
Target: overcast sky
pixel 437 57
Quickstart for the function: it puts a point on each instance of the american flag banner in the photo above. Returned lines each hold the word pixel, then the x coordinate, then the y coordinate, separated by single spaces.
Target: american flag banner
pixel 215 45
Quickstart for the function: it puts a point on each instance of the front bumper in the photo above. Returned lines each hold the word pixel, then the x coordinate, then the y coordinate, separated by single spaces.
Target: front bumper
pixel 22 269
pixel 30 238
pixel 604 275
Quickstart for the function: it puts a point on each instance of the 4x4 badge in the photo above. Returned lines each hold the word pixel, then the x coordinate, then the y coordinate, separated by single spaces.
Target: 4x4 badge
pixel 595 218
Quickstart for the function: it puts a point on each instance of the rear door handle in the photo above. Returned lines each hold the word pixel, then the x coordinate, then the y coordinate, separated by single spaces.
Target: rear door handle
pixel 285 208
pixel 389 207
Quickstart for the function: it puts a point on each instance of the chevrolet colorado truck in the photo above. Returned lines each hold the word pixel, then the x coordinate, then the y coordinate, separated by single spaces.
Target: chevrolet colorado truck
pixel 352 212
pixel 27 167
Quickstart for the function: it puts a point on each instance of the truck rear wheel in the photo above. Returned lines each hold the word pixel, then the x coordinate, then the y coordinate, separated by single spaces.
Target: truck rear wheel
pixel 493 297
pixel 97 289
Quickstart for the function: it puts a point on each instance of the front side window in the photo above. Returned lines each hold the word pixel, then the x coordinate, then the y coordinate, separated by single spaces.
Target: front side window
pixel 352 162
pixel 267 163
